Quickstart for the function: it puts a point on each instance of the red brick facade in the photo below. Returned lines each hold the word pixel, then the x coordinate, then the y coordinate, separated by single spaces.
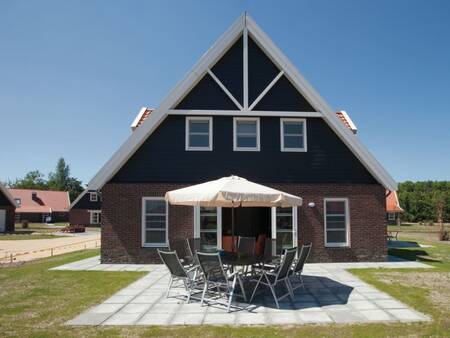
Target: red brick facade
pixel 122 221
pixel 80 217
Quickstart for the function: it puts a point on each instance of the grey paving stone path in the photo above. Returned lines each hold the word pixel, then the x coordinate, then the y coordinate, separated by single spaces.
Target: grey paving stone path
pixel 331 295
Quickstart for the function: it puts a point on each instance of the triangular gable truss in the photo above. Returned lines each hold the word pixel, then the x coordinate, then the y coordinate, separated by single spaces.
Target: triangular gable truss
pixel 243 27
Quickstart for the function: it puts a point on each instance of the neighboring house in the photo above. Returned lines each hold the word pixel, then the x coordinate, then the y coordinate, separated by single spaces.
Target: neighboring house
pixel 393 209
pixel 244 109
pixel 40 205
pixel 86 209
pixel 7 210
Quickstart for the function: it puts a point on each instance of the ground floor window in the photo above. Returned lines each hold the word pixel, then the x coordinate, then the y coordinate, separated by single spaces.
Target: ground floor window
pixel 391 216
pixel 337 222
pixel 154 222
pixel 17 218
pixel 284 228
pixel 208 227
pixel 95 217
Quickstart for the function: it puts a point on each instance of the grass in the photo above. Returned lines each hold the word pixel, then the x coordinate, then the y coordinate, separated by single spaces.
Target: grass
pixel 36 302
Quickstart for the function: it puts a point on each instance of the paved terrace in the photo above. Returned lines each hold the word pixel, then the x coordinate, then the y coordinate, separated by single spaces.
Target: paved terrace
pixel 331 295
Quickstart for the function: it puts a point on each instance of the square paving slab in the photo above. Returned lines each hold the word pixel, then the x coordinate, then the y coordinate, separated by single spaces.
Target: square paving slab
pixel 331 294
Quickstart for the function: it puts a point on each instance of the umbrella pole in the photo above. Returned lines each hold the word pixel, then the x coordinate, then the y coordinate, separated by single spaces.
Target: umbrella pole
pixel 232 229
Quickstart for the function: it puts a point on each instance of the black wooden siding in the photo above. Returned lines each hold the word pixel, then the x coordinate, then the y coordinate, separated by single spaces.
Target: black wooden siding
pixel 3 200
pixel 230 70
pixel 85 203
pixel 163 158
pixel 261 71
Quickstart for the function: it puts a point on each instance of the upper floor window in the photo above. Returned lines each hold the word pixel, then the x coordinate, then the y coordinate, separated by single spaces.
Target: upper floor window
pixel 93 197
pixel 198 133
pixel 293 134
pixel 337 222
pixel 18 201
pixel 154 222
pixel 246 134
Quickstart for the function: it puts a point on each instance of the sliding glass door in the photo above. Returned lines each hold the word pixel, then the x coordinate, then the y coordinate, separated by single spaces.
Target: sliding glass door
pixel 284 228
pixel 208 227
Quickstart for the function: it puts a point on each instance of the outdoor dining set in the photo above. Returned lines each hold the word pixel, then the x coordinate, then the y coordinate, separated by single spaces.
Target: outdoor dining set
pixel 217 277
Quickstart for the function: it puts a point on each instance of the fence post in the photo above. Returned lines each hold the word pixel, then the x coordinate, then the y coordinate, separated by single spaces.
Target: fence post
pixel 51 254
pixel 11 257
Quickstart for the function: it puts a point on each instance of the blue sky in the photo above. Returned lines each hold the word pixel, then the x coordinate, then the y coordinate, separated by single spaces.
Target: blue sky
pixel 73 74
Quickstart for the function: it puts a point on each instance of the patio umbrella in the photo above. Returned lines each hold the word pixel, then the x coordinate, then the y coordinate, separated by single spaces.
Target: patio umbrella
pixel 232 192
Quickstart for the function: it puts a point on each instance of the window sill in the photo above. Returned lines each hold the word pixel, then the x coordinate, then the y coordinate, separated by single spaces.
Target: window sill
pixel 246 149
pixel 156 245
pixel 294 150
pixel 199 149
pixel 337 246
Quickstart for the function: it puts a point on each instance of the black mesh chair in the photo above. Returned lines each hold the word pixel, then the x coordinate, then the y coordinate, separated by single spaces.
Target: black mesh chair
pixel 178 272
pixel 217 281
pixel 298 266
pixel 182 252
pixel 246 245
pixel 192 246
pixel 280 274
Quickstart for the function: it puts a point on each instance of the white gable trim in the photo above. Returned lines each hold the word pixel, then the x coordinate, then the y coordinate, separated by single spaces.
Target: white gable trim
pixel 241 26
pixel 8 195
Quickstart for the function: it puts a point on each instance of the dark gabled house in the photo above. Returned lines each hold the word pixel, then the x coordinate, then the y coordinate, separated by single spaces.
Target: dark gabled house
pixel 244 109
pixel 86 209
pixel 7 210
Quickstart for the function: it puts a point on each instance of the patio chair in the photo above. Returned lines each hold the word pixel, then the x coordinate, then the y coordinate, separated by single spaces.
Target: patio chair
pixel 216 278
pixel 277 276
pixel 189 277
pixel 246 245
pixel 298 266
pixel 182 251
pixel 192 246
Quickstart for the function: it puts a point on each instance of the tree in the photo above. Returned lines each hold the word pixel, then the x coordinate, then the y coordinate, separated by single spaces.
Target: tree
pixel 61 180
pixel 33 180
pixel 58 180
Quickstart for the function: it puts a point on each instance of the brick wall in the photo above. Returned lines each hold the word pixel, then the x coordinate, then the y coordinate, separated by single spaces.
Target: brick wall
pixel 121 221
pixel 79 217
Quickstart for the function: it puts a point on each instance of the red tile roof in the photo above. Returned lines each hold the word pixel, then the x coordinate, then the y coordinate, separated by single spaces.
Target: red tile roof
pixel 347 121
pixel 45 201
pixel 392 204
pixel 141 117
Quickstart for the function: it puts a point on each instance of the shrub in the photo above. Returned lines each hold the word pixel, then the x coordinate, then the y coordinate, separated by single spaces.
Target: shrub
pixel 24 224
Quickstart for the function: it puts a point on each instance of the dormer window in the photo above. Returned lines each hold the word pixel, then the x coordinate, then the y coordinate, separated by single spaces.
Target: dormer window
pixel 199 133
pixel 18 202
pixel 293 134
pixel 93 197
pixel 246 134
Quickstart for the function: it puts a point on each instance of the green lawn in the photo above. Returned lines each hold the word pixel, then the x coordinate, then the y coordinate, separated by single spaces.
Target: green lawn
pixel 36 302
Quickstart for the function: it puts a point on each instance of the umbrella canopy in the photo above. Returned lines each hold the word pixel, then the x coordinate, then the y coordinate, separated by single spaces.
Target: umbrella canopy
pixel 232 191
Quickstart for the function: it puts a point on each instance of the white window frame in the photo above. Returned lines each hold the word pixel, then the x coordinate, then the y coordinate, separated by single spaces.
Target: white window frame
pixel 91 216
pixel 347 222
pixel 391 216
pixel 294 225
pixel 199 118
pixel 18 202
pixel 283 148
pixel 197 230
pixel 143 228
pixel 93 197
pixel 258 141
